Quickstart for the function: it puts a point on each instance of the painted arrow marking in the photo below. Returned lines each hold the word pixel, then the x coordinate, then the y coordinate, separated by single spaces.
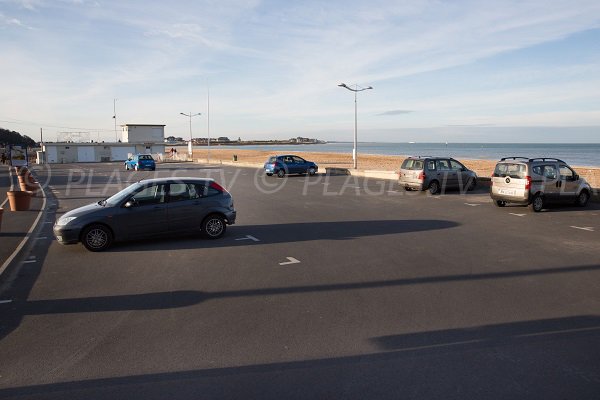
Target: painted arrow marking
pixel 249 237
pixel 292 260
pixel 584 228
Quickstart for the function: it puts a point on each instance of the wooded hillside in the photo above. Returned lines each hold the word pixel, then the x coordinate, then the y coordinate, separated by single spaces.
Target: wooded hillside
pixel 11 137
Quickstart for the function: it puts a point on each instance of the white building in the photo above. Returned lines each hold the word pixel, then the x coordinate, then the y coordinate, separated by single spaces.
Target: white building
pixel 136 139
pixel 140 133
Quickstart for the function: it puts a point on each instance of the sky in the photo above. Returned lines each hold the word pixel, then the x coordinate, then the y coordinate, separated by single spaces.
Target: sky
pixel 460 71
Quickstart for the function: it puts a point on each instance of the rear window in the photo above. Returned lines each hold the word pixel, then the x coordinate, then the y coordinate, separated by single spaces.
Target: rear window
pixel 146 157
pixel 272 160
pixel 412 164
pixel 516 171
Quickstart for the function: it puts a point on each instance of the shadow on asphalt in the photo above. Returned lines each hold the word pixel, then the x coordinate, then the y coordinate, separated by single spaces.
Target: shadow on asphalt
pixel 537 359
pixel 289 233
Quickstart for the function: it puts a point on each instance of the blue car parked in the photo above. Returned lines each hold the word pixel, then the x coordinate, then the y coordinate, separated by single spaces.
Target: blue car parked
pixel 289 164
pixel 140 161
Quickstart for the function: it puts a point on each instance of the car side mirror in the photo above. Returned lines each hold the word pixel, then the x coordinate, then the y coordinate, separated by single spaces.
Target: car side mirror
pixel 129 203
pixel 575 177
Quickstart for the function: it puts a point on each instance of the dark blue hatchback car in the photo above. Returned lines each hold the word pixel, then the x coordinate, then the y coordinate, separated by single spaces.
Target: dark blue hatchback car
pixel 289 164
pixel 140 161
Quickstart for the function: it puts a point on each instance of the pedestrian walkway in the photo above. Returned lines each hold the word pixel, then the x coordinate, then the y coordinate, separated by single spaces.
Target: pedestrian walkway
pixel 17 226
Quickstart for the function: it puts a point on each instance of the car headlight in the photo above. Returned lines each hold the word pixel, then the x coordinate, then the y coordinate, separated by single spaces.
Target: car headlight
pixel 65 220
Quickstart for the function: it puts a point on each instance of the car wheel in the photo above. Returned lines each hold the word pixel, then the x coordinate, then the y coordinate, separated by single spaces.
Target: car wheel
pixel 500 203
pixel 583 198
pixel 96 238
pixel 153 169
pixel 311 171
pixel 537 204
pixel 213 227
pixel 126 167
pixel 408 189
pixel 434 187
pixel 136 167
pixel 471 184
pixel 269 174
pixel 281 173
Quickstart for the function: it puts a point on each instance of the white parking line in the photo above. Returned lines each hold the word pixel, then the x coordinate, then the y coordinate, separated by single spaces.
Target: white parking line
pixel 291 260
pixel 249 237
pixel 472 204
pixel 584 228
pixel 5 301
pixel 518 215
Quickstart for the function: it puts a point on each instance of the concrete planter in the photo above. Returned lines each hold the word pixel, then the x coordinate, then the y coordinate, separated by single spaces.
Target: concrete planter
pixel 30 187
pixel 19 200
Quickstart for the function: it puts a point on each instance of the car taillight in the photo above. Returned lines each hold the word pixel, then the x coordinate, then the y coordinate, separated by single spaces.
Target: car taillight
pixel 422 176
pixel 273 165
pixel 528 182
pixel 215 185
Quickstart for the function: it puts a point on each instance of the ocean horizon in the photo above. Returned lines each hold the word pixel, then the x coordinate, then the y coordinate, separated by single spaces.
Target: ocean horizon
pixel 581 154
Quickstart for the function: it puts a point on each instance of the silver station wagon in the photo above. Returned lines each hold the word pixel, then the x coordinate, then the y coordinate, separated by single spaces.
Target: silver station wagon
pixel 537 182
pixel 435 174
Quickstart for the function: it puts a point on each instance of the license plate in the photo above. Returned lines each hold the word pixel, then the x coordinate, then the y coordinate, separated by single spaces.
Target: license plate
pixel 508 192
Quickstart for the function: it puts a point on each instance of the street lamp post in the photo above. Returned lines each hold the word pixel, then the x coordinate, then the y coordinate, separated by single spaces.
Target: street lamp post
pixel 356 89
pixel 190 115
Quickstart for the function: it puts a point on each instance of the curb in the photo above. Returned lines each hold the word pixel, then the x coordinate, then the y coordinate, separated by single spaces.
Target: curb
pixel 23 247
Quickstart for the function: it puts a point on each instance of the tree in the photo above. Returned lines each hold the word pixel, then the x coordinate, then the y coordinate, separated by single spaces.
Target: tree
pixel 15 138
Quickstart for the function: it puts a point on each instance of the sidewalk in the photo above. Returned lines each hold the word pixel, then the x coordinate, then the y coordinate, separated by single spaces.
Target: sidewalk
pixel 16 225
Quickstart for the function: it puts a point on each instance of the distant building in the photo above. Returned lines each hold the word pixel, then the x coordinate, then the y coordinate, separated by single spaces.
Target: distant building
pixel 223 139
pixel 135 138
pixel 301 139
pixel 140 133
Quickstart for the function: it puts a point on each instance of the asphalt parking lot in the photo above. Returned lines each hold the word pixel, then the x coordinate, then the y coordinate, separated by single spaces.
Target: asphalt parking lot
pixel 327 287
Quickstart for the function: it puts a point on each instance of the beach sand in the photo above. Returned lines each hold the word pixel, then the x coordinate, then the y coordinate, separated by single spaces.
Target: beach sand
pixel 366 162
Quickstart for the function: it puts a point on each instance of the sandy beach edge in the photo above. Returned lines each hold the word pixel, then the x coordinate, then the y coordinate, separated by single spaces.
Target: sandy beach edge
pixel 380 166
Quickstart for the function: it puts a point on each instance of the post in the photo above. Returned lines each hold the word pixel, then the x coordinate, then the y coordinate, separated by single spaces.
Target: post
pixel 355 152
pixel 190 152
pixel 208 126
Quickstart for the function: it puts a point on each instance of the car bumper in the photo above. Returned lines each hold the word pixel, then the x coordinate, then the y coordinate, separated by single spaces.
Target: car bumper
pixel 65 234
pixel 230 215
pixel 510 199
pixel 411 185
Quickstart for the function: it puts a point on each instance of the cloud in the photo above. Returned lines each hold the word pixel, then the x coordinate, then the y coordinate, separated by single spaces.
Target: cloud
pixel 395 112
pixel 8 21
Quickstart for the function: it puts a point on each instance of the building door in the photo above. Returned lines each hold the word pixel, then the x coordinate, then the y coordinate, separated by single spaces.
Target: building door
pixel 86 154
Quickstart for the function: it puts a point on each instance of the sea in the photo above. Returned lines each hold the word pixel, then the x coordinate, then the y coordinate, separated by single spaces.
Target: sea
pixel 581 154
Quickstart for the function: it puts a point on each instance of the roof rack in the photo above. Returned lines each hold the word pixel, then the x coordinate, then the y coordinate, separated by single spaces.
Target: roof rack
pixel 514 158
pixel 420 156
pixel 546 159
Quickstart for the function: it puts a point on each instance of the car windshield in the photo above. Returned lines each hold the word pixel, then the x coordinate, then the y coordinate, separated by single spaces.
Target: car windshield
pixel 119 197
pixel 516 171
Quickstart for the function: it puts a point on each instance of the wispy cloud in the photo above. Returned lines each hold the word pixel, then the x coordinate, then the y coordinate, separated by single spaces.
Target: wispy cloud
pixel 395 112
pixel 8 21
